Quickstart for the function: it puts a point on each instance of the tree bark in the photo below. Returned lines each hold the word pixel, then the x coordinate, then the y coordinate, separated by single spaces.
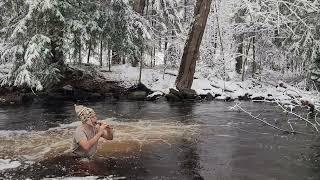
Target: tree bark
pixel 101 49
pixel 239 58
pixel 109 58
pixel 239 41
pixel 245 61
pixel 141 64
pixel 89 52
pixel 80 59
pixel 254 63
pixel 191 50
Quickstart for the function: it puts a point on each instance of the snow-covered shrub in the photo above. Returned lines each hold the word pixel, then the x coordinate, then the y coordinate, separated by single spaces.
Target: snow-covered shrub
pixel 173 54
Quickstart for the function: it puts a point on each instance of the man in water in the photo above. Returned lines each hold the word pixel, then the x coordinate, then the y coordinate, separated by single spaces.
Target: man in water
pixel 87 135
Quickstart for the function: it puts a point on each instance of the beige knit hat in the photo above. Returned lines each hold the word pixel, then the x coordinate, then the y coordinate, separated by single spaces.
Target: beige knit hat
pixel 83 113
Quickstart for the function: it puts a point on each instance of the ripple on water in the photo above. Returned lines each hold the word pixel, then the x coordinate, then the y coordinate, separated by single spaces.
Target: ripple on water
pixel 128 137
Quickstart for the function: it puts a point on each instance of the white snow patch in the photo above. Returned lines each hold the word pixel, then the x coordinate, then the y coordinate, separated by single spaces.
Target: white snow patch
pixel 8 164
pixel 157 93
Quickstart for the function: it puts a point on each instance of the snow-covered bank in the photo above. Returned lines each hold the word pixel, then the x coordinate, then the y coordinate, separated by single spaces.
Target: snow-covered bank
pixel 8 164
pixel 159 80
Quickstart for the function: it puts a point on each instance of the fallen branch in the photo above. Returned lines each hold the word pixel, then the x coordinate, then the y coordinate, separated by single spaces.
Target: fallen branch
pixel 267 123
pixel 300 117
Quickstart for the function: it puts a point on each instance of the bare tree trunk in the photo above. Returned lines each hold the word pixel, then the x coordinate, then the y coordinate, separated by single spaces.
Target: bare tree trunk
pixel 239 41
pixel 141 64
pixel 109 58
pixel 154 56
pixel 166 44
pixel 185 11
pixel 88 59
pixel 101 49
pixel 191 49
pixel 80 59
pixel 245 61
pixel 123 60
pixel 239 58
pixel 254 63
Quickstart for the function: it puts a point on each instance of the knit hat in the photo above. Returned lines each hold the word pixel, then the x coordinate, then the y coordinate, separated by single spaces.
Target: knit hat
pixel 83 113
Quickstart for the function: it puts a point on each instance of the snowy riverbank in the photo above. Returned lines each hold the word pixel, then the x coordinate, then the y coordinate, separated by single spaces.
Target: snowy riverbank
pixel 269 89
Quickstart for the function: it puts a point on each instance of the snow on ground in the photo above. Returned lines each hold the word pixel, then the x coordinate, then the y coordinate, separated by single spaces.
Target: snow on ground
pixel 156 80
pixel 8 164
pixel 5 69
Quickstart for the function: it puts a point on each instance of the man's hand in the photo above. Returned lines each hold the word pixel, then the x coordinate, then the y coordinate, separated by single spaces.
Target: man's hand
pixel 102 128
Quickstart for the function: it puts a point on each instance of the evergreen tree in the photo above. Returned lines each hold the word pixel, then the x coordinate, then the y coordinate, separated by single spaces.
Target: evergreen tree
pixel 33 42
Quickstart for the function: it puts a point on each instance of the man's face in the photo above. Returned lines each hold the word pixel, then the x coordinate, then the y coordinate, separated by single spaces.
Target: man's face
pixel 93 118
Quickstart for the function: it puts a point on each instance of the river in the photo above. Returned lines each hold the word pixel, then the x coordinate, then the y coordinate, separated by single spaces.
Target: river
pixel 157 140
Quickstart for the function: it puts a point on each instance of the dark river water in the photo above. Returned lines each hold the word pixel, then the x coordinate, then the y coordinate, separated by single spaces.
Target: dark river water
pixel 158 140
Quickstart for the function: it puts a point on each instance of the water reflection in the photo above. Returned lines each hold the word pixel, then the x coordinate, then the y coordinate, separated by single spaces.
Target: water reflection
pixel 189 159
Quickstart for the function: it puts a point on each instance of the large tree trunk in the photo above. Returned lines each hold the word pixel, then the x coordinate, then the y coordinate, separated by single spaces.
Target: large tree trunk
pixel 191 49
pixel 239 41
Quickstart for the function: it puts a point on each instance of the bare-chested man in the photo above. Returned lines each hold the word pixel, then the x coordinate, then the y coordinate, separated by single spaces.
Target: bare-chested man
pixel 87 135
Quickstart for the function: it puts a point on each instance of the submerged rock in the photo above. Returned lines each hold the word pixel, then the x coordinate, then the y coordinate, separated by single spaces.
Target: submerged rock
pixel 137 95
pixel 182 95
pixel 172 97
pixel 209 97
pixel 258 98
pixel 245 97
pixel 188 93
pixel 175 93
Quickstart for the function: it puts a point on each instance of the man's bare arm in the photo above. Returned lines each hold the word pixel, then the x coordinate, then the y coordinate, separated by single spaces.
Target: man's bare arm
pixel 87 144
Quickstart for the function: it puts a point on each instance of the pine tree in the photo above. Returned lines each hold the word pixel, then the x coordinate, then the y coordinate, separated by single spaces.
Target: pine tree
pixel 34 41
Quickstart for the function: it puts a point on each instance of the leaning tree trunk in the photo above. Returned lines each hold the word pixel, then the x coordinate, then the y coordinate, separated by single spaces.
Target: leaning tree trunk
pixel 191 49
